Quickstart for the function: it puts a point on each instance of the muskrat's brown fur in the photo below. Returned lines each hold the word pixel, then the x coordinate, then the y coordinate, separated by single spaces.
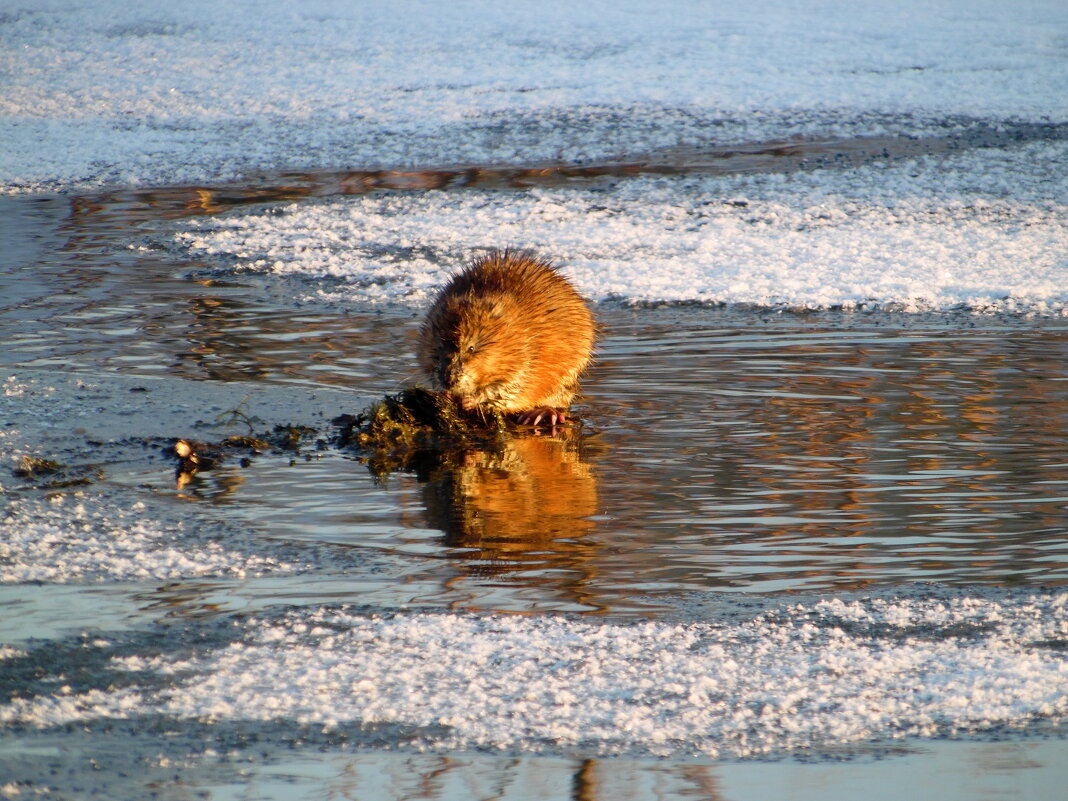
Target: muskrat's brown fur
pixel 509 334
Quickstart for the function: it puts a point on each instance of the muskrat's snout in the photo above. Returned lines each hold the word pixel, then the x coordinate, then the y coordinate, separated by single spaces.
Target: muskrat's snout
pixel 450 373
pixel 453 378
pixel 447 373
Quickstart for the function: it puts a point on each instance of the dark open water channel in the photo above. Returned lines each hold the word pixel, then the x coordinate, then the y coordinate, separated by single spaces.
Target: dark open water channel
pixel 738 451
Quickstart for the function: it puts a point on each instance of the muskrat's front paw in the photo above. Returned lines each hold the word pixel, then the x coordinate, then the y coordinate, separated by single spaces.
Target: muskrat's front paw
pixel 545 414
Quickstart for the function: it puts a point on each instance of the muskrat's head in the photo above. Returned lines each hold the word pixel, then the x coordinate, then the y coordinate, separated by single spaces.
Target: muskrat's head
pixel 475 350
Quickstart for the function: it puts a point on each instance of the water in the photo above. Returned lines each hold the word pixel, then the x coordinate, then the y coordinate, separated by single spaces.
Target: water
pixel 727 459
pixel 759 459
pixel 985 770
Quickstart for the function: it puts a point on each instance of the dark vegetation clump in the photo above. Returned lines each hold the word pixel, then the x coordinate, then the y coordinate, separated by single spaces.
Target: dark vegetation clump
pixel 416 430
pixel 290 438
pixel 394 433
pixel 33 466
pixel 50 474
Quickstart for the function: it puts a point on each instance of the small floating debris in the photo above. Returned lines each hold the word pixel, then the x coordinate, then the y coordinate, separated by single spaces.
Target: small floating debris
pixel 194 456
pixel 50 475
pixel 34 466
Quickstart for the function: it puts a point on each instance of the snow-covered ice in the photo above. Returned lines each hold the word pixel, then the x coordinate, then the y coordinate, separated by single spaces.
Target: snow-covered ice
pixel 808 676
pixel 106 92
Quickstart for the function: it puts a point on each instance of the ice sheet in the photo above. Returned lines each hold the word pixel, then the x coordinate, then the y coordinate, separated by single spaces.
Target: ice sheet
pixel 83 537
pixel 115 93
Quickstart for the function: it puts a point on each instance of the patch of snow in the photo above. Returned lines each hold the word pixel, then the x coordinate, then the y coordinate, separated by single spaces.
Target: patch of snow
pixel 803 677
pixel 985 230
pixel 81 537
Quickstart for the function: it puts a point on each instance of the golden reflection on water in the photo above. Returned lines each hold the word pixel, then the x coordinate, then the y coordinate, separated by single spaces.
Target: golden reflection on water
pixel 529 503
pixel 926 455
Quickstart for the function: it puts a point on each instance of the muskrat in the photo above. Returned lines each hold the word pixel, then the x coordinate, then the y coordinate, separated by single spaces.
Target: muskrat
pixel 508 334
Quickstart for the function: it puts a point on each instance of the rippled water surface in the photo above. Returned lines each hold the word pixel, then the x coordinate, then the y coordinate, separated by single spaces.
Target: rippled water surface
pixel 756 458
pixel 726 450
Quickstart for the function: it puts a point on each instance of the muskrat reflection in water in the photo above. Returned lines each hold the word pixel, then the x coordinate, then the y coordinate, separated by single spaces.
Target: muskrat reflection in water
pixel 511 335
pixel 530 502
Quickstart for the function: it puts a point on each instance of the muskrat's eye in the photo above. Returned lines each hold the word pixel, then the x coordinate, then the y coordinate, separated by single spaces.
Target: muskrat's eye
pixel 470 350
